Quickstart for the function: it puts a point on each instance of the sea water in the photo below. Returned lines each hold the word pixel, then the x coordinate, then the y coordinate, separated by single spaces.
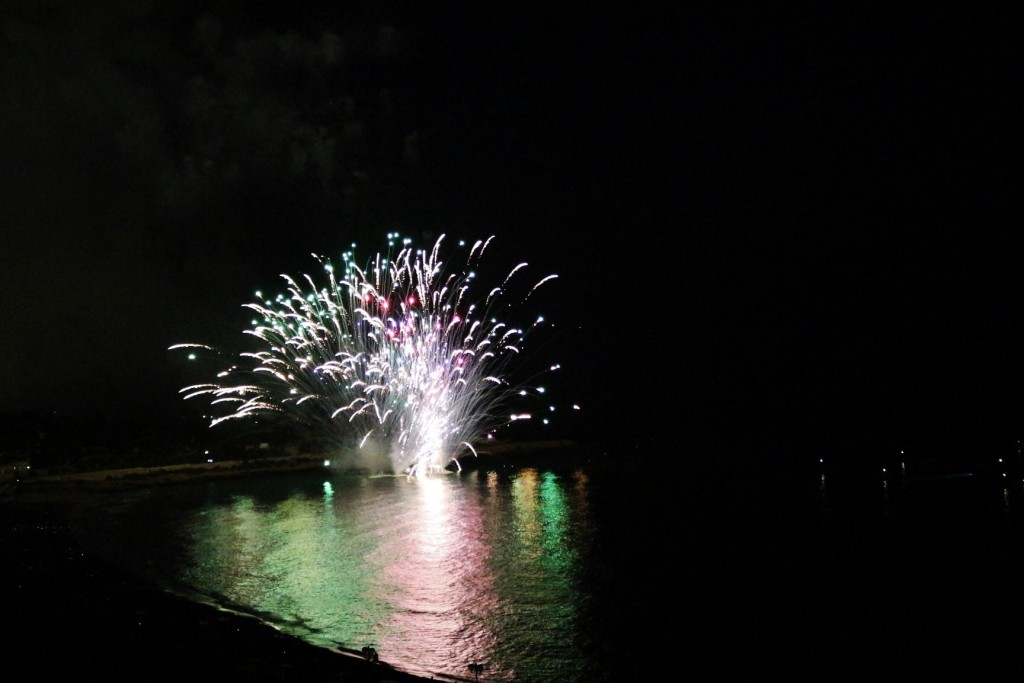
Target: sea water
pixel 581 571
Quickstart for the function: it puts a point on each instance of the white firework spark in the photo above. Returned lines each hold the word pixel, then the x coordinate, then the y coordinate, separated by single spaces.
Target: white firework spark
pixel 397 351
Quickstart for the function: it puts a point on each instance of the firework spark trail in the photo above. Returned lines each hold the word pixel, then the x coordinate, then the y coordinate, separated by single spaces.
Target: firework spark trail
pixel 397 352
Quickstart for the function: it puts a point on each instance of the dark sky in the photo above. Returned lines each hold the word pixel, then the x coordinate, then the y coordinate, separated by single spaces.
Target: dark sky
pixel 802 221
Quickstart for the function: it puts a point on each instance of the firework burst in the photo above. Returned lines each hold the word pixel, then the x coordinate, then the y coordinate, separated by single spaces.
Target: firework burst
pixel 396 352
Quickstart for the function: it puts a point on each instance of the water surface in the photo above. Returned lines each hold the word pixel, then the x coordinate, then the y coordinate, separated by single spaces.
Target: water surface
pixel 435 573
pixel 588 570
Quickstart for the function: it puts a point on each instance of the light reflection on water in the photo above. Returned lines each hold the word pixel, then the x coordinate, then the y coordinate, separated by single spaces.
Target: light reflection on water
pixel 435 573
pixel 596 573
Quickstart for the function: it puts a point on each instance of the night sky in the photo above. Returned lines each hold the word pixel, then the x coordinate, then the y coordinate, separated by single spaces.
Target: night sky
pixel 780 225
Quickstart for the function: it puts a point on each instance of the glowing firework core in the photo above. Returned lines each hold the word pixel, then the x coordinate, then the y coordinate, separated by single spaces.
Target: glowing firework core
pixel 394 352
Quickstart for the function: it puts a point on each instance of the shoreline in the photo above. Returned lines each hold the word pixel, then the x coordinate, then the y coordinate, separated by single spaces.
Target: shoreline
pixel 102 621
pixel 126 478
pixel 69 610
